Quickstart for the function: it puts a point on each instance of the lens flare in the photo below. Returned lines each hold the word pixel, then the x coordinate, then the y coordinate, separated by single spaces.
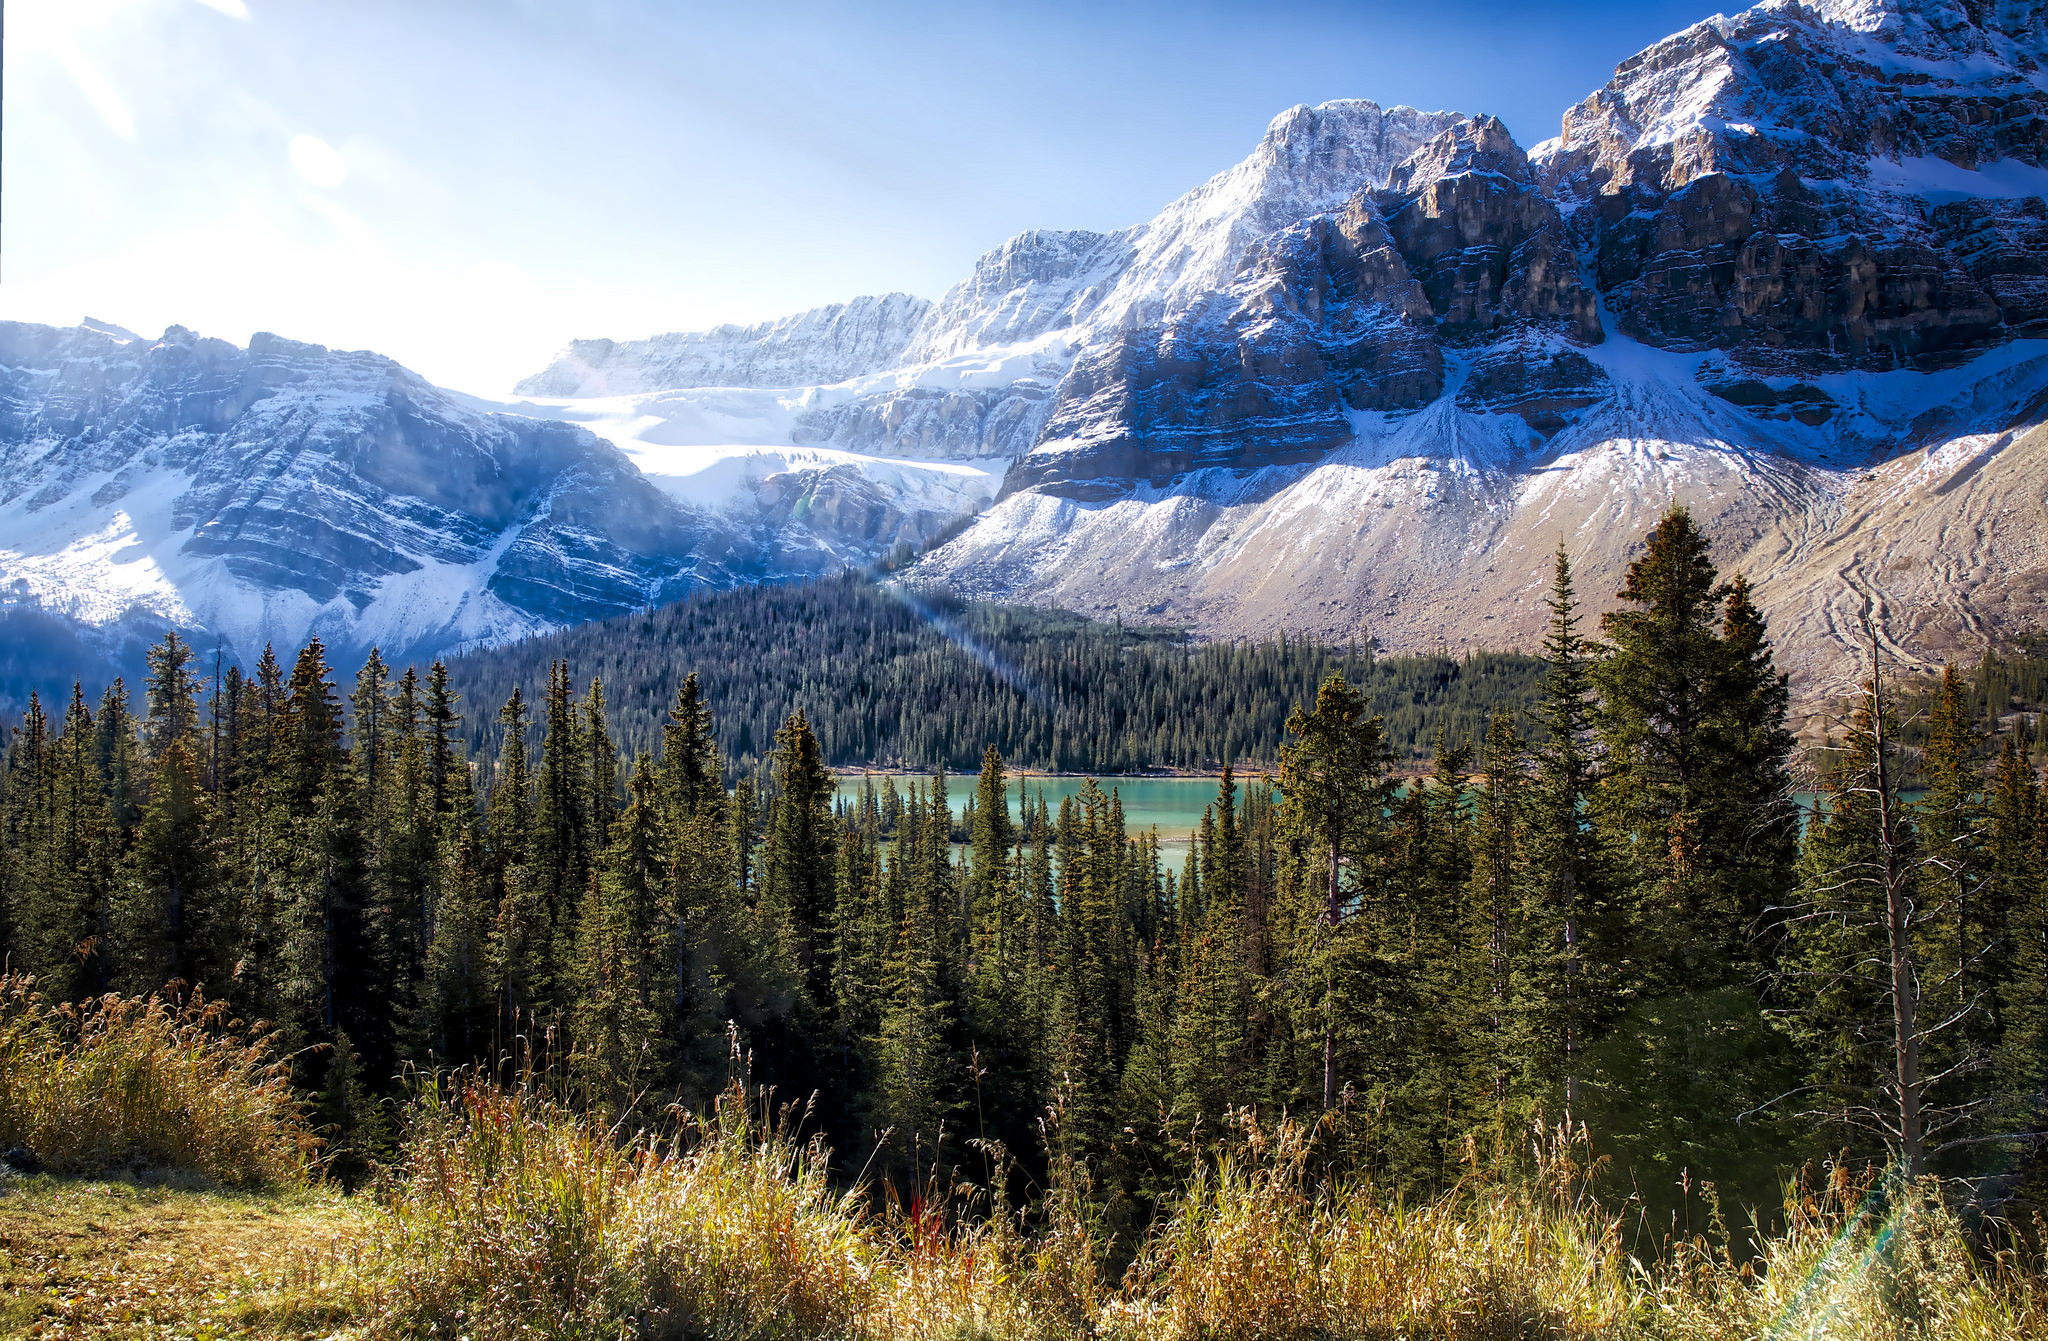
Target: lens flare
pixel 1011 676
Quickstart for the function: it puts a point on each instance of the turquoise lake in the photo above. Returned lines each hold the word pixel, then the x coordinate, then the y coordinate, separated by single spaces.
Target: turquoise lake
pixel 1173 805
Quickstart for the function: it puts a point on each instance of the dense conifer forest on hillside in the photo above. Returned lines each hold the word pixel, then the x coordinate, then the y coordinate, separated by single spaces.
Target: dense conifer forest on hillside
pixel 888 676
pixel 1630 924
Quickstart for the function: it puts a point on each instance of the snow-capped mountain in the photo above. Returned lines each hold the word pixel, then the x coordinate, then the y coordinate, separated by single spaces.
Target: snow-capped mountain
pixel 1789 267
pixel 263 493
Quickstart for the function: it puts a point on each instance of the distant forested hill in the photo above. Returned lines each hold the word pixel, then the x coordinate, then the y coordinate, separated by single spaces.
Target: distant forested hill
pixel 887 677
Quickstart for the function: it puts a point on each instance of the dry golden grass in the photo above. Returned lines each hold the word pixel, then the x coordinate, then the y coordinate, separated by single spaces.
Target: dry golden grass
pixel 514 1217
pixel 1257 1248
pixel 132 1080
pixel 124 1259
pixel 1857 1259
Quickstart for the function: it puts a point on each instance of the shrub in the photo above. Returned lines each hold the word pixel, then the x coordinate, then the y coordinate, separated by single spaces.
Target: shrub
pixel 123 1080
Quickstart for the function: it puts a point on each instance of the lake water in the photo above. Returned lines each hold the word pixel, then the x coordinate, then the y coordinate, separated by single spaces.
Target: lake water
pixel 1173 805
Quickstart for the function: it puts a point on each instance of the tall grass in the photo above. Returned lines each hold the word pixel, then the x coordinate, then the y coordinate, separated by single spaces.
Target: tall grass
pixel 1258 1248
pixel 1859 1257
pixel 115 1081
pixel 512 1216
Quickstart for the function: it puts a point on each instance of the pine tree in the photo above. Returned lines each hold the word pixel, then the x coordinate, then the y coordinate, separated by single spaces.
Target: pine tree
pixel 999 962
pixel 1205 1002
pixel 61 917
pixel 1564 978
pixel 1861 984
pixel 2015 860
pixel 797 861
pixel 1093 975
pixel 1333 776
pixel 1695 793
pixel 27 805
pixel 523 966
pixel 461 968
pixel 1952 824
pixel 172 694
pixel 914 1068
pixel 443 762
pixel 621 1023
pixel 170 921
pixel 117 758
pixel 1497 840
pixel 561 844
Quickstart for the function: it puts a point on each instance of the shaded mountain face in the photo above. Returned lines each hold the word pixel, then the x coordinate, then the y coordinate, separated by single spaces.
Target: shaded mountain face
pixel 1854 184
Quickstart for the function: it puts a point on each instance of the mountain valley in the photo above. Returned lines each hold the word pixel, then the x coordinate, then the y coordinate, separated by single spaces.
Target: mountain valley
pixel 1788 268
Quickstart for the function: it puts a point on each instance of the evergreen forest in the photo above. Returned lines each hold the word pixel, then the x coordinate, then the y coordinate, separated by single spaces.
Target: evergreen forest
pixel 1602 906
pixel 888 675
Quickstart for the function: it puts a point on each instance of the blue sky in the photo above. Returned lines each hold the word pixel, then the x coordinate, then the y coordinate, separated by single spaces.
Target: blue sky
pixel 465 186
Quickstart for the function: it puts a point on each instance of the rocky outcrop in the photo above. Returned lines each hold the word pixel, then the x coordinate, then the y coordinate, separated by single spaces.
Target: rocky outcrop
pixel 1488 248
pixel 1771 184
pixel 1542 381
pixel 1324 318
pixel 2003 245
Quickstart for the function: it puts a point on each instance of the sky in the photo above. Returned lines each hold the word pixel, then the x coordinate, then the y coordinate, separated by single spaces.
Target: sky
pixel 465 185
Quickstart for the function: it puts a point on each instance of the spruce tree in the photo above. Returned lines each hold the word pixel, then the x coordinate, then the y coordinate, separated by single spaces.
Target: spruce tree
pixel 621 1021
pixel 1694 795
pixel 172 694
pixel 1334 781
pixel 561 827
pixel 172 922
pixel 1497 840
pixel 999 963
pixel 797 860
pixel 1565 975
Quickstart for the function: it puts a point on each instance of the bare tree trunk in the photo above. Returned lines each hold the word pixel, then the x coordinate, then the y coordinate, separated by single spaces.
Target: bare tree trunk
pixel 1897 924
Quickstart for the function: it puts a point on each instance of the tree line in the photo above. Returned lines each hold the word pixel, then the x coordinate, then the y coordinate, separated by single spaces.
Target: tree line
pixel 1607 910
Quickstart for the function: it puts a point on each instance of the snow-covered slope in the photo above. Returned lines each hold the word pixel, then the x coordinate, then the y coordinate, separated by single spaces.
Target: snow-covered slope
pixel 264 493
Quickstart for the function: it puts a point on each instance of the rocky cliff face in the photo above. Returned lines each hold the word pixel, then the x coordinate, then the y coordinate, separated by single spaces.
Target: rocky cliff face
pixel 1851 185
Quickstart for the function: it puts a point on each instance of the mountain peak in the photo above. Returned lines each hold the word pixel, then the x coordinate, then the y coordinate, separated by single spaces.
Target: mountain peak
pixel 1477 144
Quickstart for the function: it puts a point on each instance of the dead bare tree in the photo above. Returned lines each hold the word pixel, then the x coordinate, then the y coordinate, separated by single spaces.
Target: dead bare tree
pixel 1872 975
